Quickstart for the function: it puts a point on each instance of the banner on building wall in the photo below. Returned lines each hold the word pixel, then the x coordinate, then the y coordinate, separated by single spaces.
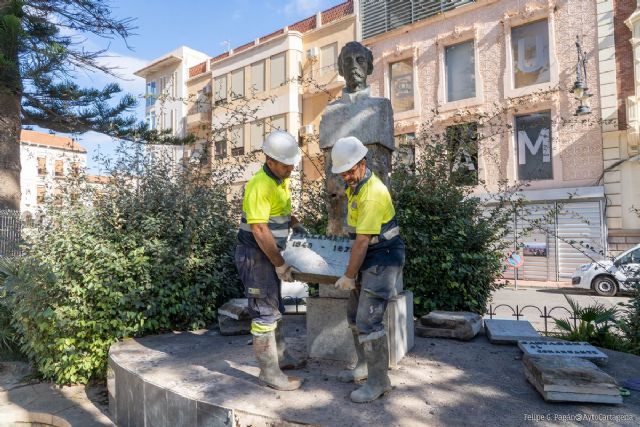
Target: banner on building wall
pixel 533 144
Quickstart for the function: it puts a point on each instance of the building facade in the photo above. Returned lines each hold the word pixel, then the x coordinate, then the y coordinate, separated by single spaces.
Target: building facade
pixel 497 75
pixel 618 56
pixel 48 161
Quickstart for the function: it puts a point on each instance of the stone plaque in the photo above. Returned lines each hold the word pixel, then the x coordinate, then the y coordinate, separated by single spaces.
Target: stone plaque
pixel 319 259
pixel 563 348
pixel 503 331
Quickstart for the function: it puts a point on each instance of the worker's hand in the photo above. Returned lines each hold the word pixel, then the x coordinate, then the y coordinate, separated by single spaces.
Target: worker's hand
pixel 345 283
pixel 298 228
pixel 285 272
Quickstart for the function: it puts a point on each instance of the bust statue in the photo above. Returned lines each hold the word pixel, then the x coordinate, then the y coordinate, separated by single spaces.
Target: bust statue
pixel 357 113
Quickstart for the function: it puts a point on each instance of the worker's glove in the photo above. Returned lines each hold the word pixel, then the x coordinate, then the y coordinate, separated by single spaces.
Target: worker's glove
pixel 345 283
pixel 298 228
pixel 285 272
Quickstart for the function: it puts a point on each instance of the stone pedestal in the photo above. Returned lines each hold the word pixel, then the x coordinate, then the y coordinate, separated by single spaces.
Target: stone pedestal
pixel 329 335
pixel 461 325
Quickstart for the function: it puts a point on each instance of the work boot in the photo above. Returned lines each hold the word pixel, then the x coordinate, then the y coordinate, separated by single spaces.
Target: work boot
pixel 377 355
pixel 264 346
pixel 358 373
pixel 285 359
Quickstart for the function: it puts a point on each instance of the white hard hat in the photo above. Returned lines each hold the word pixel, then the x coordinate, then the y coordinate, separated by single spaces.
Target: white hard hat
pixel 346 153
pixel 282 146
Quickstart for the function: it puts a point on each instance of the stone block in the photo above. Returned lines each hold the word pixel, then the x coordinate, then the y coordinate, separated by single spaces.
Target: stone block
pixel 129 398
pixel 111 390
pixel 330 291
pixel 582 350
pixel 502 331
pixel 318 259
pixel 208 415
pixel 233 317
pixel 460 325
pixel 155 405
pixel 570 379
pixel 329 335
pixel 181 411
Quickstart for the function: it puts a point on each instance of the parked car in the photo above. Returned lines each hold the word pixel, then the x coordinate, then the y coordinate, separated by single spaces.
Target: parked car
pixel 608 277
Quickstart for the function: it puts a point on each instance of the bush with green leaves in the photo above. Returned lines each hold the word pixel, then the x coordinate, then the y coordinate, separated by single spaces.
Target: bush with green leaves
pixel 153 254
pixel 629 320
pixel 455 244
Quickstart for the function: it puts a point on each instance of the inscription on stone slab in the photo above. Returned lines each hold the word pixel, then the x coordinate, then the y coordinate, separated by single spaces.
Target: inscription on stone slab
pixel 563 348
pixel 319 259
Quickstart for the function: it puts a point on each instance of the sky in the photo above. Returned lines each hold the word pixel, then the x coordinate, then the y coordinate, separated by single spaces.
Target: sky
pixel 163 25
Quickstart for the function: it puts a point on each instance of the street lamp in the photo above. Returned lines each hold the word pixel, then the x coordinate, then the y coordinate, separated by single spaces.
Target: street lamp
pixel 580 89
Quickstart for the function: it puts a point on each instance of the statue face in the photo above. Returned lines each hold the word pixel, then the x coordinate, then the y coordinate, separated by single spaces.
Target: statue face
pixel 354 68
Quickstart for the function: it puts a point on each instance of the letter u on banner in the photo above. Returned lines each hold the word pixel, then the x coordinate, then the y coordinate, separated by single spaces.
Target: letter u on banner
pixel 538 61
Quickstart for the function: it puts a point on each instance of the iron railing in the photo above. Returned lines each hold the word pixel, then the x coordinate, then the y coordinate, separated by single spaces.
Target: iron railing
pixel 10 231
pixel 543 313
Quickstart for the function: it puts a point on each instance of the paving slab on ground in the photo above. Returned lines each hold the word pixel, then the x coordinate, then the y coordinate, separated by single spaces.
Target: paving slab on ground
pixel 440 383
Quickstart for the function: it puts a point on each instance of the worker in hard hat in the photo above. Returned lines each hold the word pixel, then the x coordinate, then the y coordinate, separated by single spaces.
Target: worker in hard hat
pixel 264 227
pixel 374 271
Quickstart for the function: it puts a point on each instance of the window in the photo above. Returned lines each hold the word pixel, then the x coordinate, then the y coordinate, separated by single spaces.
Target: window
pixel 57 171
pixel 237 140
pixel 202 102
pixel 405 149
pixel 42 166
pixel 173 123
pixel 328 57
pixel 278 123
pixel 401 85
pixel 163 86
pixel 632 257
pixel 57 196
pixel 220 147
pixel 257 134
pixel 40 194
pixel 278 74
pixel 151 120
pixel 530 53
pixel 151 93
pixel 75 169
pixel 174 84
pixel 73 197
pixel 257 76
pixel 220 90
pixel 237 83
pixel 460 71
pixel 533 140
pixel 462 148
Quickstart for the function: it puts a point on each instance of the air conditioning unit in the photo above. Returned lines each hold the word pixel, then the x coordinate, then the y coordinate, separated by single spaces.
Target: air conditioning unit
pixel 313 53
pixel 306 130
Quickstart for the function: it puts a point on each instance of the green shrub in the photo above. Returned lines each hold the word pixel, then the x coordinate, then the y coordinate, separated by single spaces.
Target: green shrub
pixel 595 324
pixel 629 321
pixel 454 246
pixel 153 254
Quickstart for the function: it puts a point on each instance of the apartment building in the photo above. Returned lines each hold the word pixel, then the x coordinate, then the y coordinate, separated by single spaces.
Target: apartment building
pixel 282 80
pixel 166 95
pixel 618 57
pixel 47 162
pixel 496 76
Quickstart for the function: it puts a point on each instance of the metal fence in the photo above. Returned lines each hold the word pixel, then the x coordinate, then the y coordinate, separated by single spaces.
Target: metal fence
pixel 10 231
pixel 543 313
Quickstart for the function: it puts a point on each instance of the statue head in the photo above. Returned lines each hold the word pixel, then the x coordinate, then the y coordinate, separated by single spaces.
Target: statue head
pixel 355 63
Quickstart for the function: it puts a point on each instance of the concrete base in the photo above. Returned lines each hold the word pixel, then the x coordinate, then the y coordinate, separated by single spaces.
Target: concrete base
pixel 204 377
pixel 329 335
pixel 501 331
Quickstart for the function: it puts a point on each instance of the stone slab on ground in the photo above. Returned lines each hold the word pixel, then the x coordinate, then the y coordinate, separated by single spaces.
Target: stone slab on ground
pixel 441 382
pixel 503 331
pixel 582 350
pixel 234 318
pixel 460 325
pixel 329 335
pixel 570 379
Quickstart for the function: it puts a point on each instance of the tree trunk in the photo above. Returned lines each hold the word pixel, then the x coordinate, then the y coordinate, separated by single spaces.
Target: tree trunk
pixel 10 98
pixel 9 150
